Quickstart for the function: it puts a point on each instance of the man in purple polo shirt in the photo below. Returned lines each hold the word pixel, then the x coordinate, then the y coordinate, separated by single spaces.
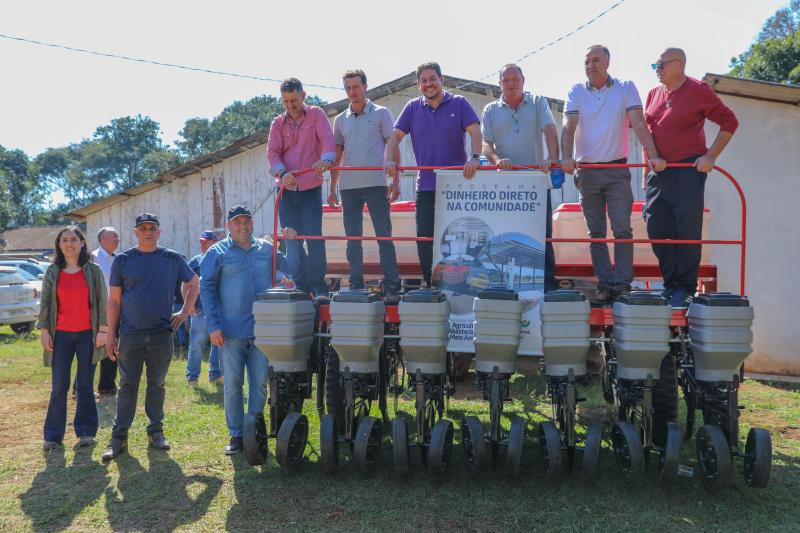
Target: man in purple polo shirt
pixel 302 139
pixel 437 121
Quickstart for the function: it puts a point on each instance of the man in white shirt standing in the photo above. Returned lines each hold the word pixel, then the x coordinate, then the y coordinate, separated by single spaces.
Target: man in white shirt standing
pixel 596 118
pixel 108 238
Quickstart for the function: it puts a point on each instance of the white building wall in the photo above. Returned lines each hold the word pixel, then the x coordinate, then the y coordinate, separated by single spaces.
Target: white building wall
pixel 764 158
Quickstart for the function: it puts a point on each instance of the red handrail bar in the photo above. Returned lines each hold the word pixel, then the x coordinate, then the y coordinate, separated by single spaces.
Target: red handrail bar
pixel 742 242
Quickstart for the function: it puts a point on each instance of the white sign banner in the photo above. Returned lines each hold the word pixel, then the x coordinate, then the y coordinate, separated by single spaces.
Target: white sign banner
pixel 490 231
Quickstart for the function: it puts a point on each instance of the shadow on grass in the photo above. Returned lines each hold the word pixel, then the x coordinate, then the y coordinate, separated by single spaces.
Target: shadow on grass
pixel 162 498
pixel 60 492
pixel 214 396
pixel 782 385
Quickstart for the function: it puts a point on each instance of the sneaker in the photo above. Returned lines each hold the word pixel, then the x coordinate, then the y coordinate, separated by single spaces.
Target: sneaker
pixel 107 392
pixel 50 445
pixel 115 448
pixel 235 446
pixel 217 381
pixel 603 296
pixel 192 383
pixel 679 299
pixel 667 292
pixel 622 290
pixel 86 440
pixel 158 441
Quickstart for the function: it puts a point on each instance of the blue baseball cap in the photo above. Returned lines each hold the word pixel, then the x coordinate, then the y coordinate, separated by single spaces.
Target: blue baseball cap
pixel 239 211
pixel 208 235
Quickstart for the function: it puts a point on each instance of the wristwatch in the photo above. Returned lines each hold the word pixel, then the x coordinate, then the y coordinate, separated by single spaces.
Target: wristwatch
pixel 476 156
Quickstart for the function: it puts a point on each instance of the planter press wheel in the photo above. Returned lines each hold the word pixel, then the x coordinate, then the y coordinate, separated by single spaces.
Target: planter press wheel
pixel 429 411
pixel 440 447
pixel 254 438
pixel 714 456
pixel 400 447
pixel 670 459
pixel 550 447
pixel 334 392
pixel 758 458
pixel 474 445
pixel 291 441
pixel 328 443
pixel 516 437
pixel 591 450
pixel 628 451
pixel 367 446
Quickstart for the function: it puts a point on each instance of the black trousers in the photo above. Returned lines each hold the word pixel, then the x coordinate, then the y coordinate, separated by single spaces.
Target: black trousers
pixel 674 210
pixel 426 209
pixel 108 376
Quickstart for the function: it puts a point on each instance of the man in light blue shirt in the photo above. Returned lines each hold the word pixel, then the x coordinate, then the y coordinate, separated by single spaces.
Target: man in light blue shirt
pixel 232 273
pixel 512 128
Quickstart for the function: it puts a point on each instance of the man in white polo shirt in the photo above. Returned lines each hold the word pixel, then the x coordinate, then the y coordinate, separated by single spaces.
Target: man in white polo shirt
pixel 596 118
pixel 361 132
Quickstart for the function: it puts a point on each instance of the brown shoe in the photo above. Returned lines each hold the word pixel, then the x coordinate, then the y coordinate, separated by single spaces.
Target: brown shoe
pixel 603 296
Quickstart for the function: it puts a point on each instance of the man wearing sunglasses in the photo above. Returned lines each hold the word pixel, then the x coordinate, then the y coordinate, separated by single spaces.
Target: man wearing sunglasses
pixel 675 114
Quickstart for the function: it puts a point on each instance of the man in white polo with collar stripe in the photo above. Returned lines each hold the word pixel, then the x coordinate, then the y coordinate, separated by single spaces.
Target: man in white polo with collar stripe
pixel 596 118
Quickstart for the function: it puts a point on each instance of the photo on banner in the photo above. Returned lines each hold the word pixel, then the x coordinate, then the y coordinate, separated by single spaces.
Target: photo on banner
pixel 490 231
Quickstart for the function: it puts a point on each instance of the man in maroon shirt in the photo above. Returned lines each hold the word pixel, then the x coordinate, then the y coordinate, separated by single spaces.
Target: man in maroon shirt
pixel 675 114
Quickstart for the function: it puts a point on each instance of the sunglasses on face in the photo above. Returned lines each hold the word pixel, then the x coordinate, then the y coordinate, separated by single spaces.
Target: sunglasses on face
pixel 661 64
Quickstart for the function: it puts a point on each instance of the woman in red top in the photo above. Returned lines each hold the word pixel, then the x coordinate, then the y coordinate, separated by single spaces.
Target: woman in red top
pixel 71 318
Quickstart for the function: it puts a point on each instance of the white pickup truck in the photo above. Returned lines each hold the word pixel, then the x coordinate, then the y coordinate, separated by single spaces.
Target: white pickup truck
pixel 19 301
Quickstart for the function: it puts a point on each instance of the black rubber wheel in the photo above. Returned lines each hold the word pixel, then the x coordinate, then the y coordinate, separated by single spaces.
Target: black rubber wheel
pixel 334 392
pixel 714 456
pixel 591 450
pixel 665 400
pixel 758 458
pixel 22 328
pixel 440 446
pixel 670 459
pixel 475 450
pixel 550 446
pixel 290 444
pixel 628 451
pixel 715 417
pixel 516 438
pixel 400 447
pixel 367 445
pixel 328 443
pixel 255 440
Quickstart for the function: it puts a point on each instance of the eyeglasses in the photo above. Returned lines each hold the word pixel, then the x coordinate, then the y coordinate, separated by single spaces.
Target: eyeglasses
pixel 660 64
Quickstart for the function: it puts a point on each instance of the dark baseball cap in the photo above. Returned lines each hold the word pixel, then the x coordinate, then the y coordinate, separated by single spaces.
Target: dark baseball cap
pixel 208 235
pixel 146 218
pixel 239 211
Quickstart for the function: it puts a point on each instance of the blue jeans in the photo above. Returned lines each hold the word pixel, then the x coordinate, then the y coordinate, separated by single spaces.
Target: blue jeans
pixel 353 201
pixel 239 355
pixel 198 342
pixel 66 345
pixel 302 211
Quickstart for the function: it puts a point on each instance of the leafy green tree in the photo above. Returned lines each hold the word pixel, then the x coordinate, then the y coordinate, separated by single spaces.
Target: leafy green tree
pixel 18 195
pixel 123 154
pixel 775 56
pixel 240 119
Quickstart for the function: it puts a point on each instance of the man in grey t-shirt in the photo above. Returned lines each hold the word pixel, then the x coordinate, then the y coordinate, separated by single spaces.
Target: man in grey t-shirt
pixel 512 128
pixel 361 132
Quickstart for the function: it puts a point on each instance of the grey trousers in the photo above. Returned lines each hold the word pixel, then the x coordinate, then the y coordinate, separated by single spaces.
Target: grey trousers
pixel 608 189
pixel 137 351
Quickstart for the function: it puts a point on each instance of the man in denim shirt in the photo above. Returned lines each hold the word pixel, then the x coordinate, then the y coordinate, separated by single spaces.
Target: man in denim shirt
pixel 232 273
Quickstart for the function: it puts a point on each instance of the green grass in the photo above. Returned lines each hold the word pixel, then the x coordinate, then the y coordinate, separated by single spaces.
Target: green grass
pixel 194 487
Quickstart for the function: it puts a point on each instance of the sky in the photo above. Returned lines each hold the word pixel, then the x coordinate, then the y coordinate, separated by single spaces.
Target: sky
pixel 51 97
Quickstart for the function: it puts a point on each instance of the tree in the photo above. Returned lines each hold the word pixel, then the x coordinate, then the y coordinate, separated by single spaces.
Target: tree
pixel 18 197
pixel 238 120
pixel 775 56
pixel 123 154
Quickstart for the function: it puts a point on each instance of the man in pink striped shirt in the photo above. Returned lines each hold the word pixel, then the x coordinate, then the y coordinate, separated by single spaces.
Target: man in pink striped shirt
pixel 300 149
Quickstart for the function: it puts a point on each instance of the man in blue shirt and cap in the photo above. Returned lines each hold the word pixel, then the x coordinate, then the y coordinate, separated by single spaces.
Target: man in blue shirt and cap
pixel 232 273
pixel 198 329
